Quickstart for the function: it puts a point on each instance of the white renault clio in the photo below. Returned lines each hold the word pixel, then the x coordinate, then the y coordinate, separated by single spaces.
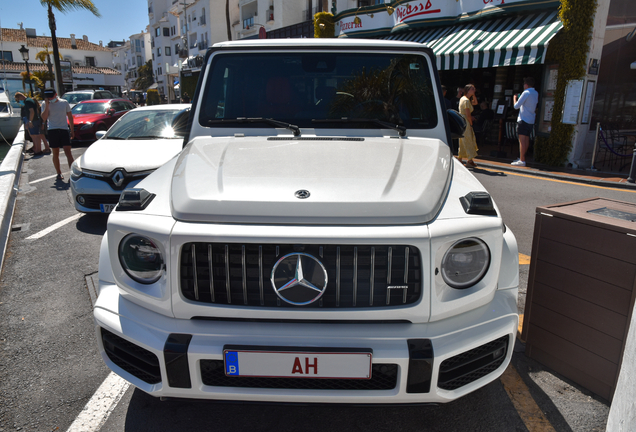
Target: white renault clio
pixel 139 143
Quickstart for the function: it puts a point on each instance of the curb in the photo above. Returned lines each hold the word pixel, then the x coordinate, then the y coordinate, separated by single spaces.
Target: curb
pixel 576 178
pixel 10 170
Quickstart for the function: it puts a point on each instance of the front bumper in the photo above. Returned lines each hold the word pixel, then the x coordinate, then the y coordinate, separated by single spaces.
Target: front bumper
pixel 95 192
pixel 179 356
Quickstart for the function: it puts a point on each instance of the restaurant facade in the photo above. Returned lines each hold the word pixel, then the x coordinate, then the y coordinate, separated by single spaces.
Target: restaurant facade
pixel 492 44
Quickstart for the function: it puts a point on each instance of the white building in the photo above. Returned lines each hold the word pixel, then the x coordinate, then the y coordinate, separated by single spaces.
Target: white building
pixel 91 63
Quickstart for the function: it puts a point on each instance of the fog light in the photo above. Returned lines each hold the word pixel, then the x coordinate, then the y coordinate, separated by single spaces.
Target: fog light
pixel 81 199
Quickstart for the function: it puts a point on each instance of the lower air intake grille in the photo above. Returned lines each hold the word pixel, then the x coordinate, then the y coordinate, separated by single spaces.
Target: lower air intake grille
pixel 134 359
pixel 383 377
pixel 359 276
pixel 469 366
pixel 93 201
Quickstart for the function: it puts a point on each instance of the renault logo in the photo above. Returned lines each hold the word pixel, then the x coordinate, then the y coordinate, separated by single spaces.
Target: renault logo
pixel 118 178
pixel 299 279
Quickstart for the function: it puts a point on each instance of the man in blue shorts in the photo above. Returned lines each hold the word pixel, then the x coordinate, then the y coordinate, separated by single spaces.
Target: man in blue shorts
pixel 527 105
pixel 58 113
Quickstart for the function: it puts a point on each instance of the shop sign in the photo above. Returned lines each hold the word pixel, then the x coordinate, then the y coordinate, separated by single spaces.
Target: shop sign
pixel 357 20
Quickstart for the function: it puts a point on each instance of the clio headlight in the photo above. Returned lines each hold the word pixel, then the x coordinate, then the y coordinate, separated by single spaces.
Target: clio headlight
pixel 86 126
pixel 76 170
pixel 465 263
pixel 141 258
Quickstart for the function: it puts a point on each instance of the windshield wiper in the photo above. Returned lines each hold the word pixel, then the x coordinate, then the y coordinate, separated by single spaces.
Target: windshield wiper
pixel 115 138
pixel 295 129
pixel 401 129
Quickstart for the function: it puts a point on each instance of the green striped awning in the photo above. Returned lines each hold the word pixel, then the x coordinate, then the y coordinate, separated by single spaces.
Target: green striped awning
pixel 427 37
pixel 505 41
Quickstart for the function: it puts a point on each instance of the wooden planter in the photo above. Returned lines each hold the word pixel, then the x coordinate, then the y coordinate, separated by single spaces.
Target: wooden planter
pixel 581 290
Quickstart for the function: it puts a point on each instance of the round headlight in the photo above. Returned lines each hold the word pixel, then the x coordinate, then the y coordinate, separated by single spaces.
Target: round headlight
pixel 465 263
pixel 141 258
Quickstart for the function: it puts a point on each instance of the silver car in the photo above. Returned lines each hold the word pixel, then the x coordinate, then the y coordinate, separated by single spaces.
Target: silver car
pixel 139 143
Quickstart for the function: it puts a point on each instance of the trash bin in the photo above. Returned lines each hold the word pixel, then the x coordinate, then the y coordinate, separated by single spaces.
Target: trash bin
pixel 581 290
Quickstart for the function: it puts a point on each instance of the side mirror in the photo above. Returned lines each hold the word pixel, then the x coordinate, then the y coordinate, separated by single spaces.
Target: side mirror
pixel 457 124
pixel 99 134
pixel 180 122
pixel 111 112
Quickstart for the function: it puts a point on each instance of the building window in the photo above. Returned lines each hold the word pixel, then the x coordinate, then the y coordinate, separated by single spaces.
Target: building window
pixel 153 56
pixel 137 45
pixel 157 32
pixel 7 56
pixel 139 60
pixel 90 61
pixel 159 71
pixel 249 22
pixel 133 61
pixel 168 51
pixel 172 30
pixel 166 31
pixel 176 49
pixel 158 52
pixel 202 21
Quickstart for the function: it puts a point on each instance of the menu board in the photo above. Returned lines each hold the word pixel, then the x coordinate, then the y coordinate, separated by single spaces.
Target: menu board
pixel 572 101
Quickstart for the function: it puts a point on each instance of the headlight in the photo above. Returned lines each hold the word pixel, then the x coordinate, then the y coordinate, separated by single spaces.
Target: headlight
pixel 76 171
pixel 465 263
pixel 141 258
pixel 86 126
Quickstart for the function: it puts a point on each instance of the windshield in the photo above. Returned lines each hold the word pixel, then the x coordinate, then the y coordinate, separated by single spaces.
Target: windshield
pixel 305 89
pixel 90 108
pixel 140 124
pixel 74 98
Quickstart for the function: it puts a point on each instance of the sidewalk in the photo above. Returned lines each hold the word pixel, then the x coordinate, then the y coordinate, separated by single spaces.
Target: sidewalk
pixel 587 176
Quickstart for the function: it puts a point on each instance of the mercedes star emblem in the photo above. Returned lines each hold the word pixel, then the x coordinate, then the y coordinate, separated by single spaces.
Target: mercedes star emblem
pixel 302 194
pixel 299 279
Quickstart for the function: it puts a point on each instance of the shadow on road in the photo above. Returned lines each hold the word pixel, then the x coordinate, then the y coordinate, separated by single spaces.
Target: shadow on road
pixel 92 223
pixel 489 173
pixel 488 409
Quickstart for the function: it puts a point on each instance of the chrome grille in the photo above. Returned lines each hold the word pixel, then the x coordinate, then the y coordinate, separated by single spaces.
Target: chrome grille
pixel 359 276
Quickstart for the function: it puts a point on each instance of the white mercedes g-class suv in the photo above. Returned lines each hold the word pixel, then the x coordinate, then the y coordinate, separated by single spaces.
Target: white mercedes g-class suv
pixel 314 241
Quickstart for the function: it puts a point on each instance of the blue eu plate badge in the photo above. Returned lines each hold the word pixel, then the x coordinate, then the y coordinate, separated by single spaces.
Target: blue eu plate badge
pixel 231 363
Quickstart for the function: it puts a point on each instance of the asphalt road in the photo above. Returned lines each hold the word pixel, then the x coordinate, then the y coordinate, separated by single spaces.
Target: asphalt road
pixel 50 368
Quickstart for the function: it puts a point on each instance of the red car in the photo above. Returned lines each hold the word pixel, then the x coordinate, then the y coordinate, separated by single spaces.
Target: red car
pixel 90 116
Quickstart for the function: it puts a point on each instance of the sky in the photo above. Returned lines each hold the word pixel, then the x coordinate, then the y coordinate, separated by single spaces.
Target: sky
pixel 119 19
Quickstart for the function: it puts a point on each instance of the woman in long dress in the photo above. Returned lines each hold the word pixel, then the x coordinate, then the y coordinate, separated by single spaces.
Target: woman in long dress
pixel 468 144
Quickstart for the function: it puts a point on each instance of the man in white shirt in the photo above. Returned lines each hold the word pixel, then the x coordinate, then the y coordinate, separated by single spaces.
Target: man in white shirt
pixel 58 113
pixel 527 105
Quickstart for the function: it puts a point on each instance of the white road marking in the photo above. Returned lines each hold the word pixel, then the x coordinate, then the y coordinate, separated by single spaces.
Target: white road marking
pixel 101 405
pixel 54 227
pixel 49 177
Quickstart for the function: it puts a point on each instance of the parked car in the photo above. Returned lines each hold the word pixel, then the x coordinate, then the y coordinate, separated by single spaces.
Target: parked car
pixel 95 115
pixel 75 97
pixel 315 241
pixel 140 142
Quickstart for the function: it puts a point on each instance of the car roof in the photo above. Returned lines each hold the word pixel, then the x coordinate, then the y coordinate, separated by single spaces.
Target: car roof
pixel 103 100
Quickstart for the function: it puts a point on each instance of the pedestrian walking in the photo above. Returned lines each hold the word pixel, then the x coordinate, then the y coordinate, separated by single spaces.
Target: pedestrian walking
pixel 527 105
pixel 32 120
pixel 468 144
pixel 58 113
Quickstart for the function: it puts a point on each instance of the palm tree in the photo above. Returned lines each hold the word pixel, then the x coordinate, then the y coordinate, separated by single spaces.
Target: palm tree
pixel 63 6
pixel 45 57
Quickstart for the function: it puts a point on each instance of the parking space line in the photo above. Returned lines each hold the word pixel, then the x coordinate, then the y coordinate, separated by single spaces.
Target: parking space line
pixel 524 259
pixel 48 177
pixel 526 407
pixel 53 227
pixel 101 405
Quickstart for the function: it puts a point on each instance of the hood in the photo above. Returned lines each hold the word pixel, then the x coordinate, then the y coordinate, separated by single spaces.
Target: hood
pixel 105 155
pixel 88 118
pixel 349 180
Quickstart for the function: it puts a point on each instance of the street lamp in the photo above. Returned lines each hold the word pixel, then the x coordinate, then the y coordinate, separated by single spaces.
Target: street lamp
pixel 25 56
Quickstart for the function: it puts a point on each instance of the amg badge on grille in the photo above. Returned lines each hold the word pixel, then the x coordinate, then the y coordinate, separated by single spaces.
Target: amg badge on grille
pixel 299 278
